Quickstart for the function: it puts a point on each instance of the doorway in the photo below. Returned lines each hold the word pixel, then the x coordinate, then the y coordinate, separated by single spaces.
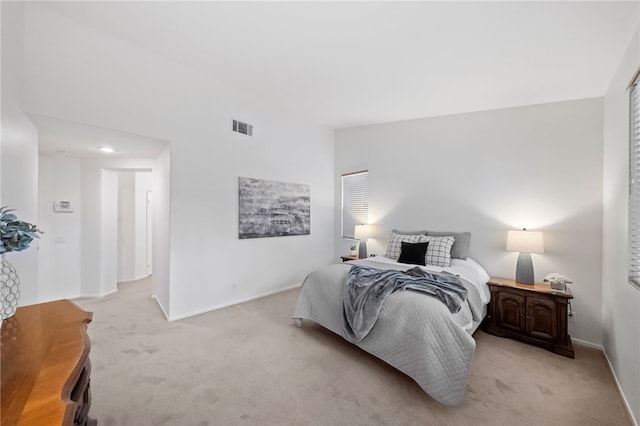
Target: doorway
pixel 134 234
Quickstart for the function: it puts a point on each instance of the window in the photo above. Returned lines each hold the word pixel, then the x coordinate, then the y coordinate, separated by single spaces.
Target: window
pixel 355 201
pixel 634 183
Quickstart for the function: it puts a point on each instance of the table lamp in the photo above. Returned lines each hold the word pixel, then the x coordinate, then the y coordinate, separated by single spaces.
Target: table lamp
pixel 361 232
pixel 525 242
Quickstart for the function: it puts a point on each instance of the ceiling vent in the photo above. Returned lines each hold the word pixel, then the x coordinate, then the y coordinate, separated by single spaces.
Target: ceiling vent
pixel 242 128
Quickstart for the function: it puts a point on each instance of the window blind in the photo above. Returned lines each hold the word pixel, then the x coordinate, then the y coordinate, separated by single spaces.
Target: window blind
pixel 634 183
pixel 355 201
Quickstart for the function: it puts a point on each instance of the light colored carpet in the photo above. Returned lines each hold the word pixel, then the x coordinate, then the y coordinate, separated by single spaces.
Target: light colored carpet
pixel 249 365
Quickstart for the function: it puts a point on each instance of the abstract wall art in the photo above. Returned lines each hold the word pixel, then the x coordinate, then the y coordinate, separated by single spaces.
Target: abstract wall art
pixel 273 209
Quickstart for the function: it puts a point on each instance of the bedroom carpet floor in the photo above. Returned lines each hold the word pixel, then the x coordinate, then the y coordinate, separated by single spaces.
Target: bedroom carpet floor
pixel 249 365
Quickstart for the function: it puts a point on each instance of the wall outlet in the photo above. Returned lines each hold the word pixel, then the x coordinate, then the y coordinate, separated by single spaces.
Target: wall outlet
pixel 572 316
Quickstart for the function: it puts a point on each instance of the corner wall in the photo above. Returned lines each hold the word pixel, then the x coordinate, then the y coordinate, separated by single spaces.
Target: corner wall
pixel 143 186
pixel 538 167
pixel 19 148
pixel 161 266
pixel 126 225
pixel 621 301
pixel 107 241
pixel 132 224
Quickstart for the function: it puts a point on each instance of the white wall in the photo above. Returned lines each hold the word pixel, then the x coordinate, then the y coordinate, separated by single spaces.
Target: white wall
pixel 19 149
pixel 106 82
pixel 108 239
pixel 61 247
pixel 143 184
pixel 621 302
pixel 161 290
pixel 126 226
pixel 538 167
pixel 132 224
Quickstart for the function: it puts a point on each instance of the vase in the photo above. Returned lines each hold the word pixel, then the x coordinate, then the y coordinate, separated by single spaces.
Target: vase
pixel 9 289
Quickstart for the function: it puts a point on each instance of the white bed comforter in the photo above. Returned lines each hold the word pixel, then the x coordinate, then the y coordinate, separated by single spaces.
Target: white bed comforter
pixel 414 333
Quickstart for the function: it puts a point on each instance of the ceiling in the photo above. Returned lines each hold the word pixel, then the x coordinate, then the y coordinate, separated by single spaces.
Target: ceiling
pixel 343 64
pixel 59 137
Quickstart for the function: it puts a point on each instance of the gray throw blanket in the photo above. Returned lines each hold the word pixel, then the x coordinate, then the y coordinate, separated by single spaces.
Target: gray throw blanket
pixel 366 290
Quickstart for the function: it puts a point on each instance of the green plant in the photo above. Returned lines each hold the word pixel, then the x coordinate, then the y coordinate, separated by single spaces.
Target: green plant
pixel 354 246
pixel 15 235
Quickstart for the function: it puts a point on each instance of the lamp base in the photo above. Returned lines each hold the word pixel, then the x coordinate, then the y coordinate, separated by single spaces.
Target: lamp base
pixel 524 269
pixel 363 250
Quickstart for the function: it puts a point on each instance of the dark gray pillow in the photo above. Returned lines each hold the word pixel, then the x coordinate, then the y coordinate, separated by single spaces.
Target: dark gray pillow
pixel 395 231
pixel 460 249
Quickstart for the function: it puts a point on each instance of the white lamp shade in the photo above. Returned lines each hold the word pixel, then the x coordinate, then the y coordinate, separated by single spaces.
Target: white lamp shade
pixel 525 241
pixel 361 232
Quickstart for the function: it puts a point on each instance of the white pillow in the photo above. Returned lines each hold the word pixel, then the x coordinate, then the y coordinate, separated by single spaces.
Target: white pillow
pixel 439 250
pixel 395 243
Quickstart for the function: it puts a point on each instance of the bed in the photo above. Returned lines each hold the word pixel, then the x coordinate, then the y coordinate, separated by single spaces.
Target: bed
pixel 414 333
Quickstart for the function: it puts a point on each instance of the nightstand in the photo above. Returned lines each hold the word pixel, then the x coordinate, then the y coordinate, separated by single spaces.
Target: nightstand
pixel 531 313
pixel 348 258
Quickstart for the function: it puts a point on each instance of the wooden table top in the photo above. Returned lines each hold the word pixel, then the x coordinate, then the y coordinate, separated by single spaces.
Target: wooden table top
pixel 537 287
pixel 43 349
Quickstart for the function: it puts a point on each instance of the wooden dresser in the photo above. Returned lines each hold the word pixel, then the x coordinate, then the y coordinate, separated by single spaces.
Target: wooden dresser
pixel 45 366
pixel 531 313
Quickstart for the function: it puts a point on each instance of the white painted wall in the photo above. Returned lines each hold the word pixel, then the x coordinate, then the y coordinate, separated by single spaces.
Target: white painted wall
pixel 132 224
pixel 126 225
pixel 621 302
pixel 162 229
pixel 108 239
pixel 61 247
pixel 143 184
pixel 19 149
pixel 538 167
pixel 106 82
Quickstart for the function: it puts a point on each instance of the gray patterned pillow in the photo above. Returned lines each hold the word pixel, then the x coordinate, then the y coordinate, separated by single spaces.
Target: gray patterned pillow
pixel 395 243
pixel 460 249
pixel 395 231
pixel 439 250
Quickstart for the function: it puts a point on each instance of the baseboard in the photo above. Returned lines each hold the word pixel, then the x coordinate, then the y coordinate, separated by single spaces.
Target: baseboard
pixel 235 302
pixel 624 398
pixel 49 299
pixel 134 279
pixel 154 297
pixel 586 343
pixel 97 295
pixel 613 373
